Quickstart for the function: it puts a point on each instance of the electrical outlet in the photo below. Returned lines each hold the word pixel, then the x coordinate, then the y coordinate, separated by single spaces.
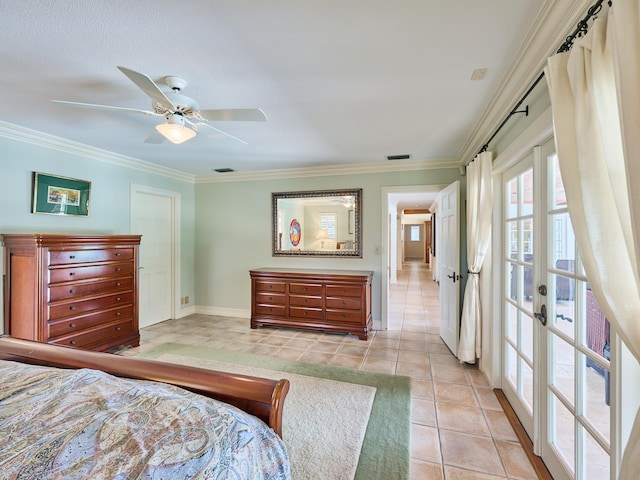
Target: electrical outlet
pixel 184 300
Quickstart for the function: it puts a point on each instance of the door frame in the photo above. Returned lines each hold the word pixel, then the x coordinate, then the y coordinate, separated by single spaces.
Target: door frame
pixel 175 199
pixel 385 260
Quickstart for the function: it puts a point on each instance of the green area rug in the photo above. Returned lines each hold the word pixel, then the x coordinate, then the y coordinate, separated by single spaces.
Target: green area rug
pixel 385 452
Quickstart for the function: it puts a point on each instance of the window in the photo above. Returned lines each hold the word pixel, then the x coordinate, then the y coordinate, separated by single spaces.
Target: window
pixel 415 233
pixel 328 222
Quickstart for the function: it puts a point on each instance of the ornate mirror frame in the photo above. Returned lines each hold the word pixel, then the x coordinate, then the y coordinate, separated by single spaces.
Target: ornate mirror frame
pixel 298 218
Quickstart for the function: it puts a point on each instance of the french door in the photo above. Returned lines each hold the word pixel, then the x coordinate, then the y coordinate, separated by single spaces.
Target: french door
pixel 556 341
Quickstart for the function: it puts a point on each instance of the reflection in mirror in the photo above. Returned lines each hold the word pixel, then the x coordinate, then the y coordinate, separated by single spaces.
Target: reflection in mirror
pixel 320 223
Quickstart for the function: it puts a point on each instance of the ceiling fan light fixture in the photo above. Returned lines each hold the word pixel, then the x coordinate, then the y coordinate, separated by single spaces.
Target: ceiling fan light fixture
pixel 174 130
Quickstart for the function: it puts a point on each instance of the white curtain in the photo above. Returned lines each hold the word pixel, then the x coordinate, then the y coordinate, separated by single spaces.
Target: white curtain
pixel 596 113
pixel 479 209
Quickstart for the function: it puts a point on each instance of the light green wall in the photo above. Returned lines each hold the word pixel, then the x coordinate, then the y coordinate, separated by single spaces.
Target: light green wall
pixel 109 208
pixel 233 231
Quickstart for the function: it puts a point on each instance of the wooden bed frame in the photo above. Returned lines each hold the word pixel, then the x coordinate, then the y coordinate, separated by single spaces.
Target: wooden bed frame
pixel 260 397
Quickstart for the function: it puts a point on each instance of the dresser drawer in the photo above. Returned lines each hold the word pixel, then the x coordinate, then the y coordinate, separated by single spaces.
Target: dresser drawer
pixel 344 316
pixel 312 313
pixel 301 301
pixel 351 303
pixel 64 257
pixel 62 292
pixel 72 308
pixel 305 289
pixel 97 335
pixel 271 298
pixel 273 310
pixel 344 291
pixel 70 326
pixel 270 287
pixel 59 275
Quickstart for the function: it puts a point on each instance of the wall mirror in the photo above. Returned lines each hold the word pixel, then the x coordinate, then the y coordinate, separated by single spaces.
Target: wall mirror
pixel 318 223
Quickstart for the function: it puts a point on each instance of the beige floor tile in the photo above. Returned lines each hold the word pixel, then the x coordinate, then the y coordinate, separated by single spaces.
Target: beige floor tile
pixel 422 389
pixel 425 471
pixel 379 365
pixel 316 357
pixel 454 393
pixel 515 461
pixel 487 399
pixel 413 357
pixel 470 452
pixel 461 419
pixel 423 412
pixel 499 426
pixel 289 353
pixel 325 347
pixel 413 370
pixel 454 473
pixel 425 445
pixel 449 375
pixel 390 354
pixel 346 361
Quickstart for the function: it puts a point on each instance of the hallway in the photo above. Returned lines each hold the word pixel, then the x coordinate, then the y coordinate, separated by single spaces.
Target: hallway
pixel 459 430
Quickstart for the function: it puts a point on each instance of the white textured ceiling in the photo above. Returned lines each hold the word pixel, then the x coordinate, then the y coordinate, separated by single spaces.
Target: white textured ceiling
pixel 342 82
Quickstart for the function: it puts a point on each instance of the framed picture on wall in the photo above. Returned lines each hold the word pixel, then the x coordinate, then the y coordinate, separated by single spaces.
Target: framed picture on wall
pixel 55 195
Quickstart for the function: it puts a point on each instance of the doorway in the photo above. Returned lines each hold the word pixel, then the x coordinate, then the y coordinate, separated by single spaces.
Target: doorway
pixel 395 199
pixel 555 339
pixel 154 215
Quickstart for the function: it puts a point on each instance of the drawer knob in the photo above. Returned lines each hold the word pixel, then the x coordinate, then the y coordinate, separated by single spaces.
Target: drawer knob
pixel 305 314
pixel 305 300
pixel 118 329
pixel 72 291
pixel 117 269
pixel 72 325
pixel 118 314
pixel 71 274
pixel 270 298
pixel 117 254
pixel 72 256
pixel 117 299
pixel 118 284
pixel 343 303
pixel 72 342
pixel 72 307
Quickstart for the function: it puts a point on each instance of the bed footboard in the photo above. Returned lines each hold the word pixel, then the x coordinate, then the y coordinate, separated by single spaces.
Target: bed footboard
pixel 260 397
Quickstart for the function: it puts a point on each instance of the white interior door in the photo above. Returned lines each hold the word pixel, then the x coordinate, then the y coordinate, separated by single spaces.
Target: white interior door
pixel 153 218
pixel 448 251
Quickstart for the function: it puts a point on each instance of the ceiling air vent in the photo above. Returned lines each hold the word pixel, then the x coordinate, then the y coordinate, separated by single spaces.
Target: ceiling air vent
pixel 405 156
pixel 224 170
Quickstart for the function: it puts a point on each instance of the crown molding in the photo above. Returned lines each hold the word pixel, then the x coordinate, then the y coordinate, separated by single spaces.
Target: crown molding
pixel 331 170
pixel 556 20
pixel 33 137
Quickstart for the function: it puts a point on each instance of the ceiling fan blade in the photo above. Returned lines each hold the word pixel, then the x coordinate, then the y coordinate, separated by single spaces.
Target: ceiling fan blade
pixel 148 86
pixel 233 114
pixel 106 107
pixel 213 132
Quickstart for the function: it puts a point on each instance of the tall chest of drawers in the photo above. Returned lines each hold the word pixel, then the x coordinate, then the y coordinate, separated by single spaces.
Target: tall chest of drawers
pixel 327 300
pixel 78 291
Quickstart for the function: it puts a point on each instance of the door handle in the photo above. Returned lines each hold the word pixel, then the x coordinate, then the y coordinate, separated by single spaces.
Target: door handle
pixel 542 316
pixel 453 277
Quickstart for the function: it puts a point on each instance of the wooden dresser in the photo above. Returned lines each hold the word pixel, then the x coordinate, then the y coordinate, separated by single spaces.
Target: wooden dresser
pixel 79 291
pixel 327 300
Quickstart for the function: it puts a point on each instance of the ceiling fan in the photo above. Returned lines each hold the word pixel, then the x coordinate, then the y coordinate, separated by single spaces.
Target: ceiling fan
pixel 183 115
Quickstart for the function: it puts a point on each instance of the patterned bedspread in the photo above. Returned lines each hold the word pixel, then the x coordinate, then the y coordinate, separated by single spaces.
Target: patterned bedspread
pixel 81 424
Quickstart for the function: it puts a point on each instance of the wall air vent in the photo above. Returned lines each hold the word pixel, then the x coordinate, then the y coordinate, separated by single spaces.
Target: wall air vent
pixel 405 156
pixel 224 170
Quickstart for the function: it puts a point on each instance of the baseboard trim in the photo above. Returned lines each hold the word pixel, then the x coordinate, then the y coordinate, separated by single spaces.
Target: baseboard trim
pixel 223 312
pixel 536 462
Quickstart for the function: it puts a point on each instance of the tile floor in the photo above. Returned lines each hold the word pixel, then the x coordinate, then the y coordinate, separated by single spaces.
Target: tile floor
pixel 459 431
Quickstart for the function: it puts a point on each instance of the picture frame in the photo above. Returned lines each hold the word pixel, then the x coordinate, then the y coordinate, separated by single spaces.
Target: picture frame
pixel 56 195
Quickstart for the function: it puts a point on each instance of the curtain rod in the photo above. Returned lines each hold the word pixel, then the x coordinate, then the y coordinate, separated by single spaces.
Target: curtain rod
pixel 580 30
